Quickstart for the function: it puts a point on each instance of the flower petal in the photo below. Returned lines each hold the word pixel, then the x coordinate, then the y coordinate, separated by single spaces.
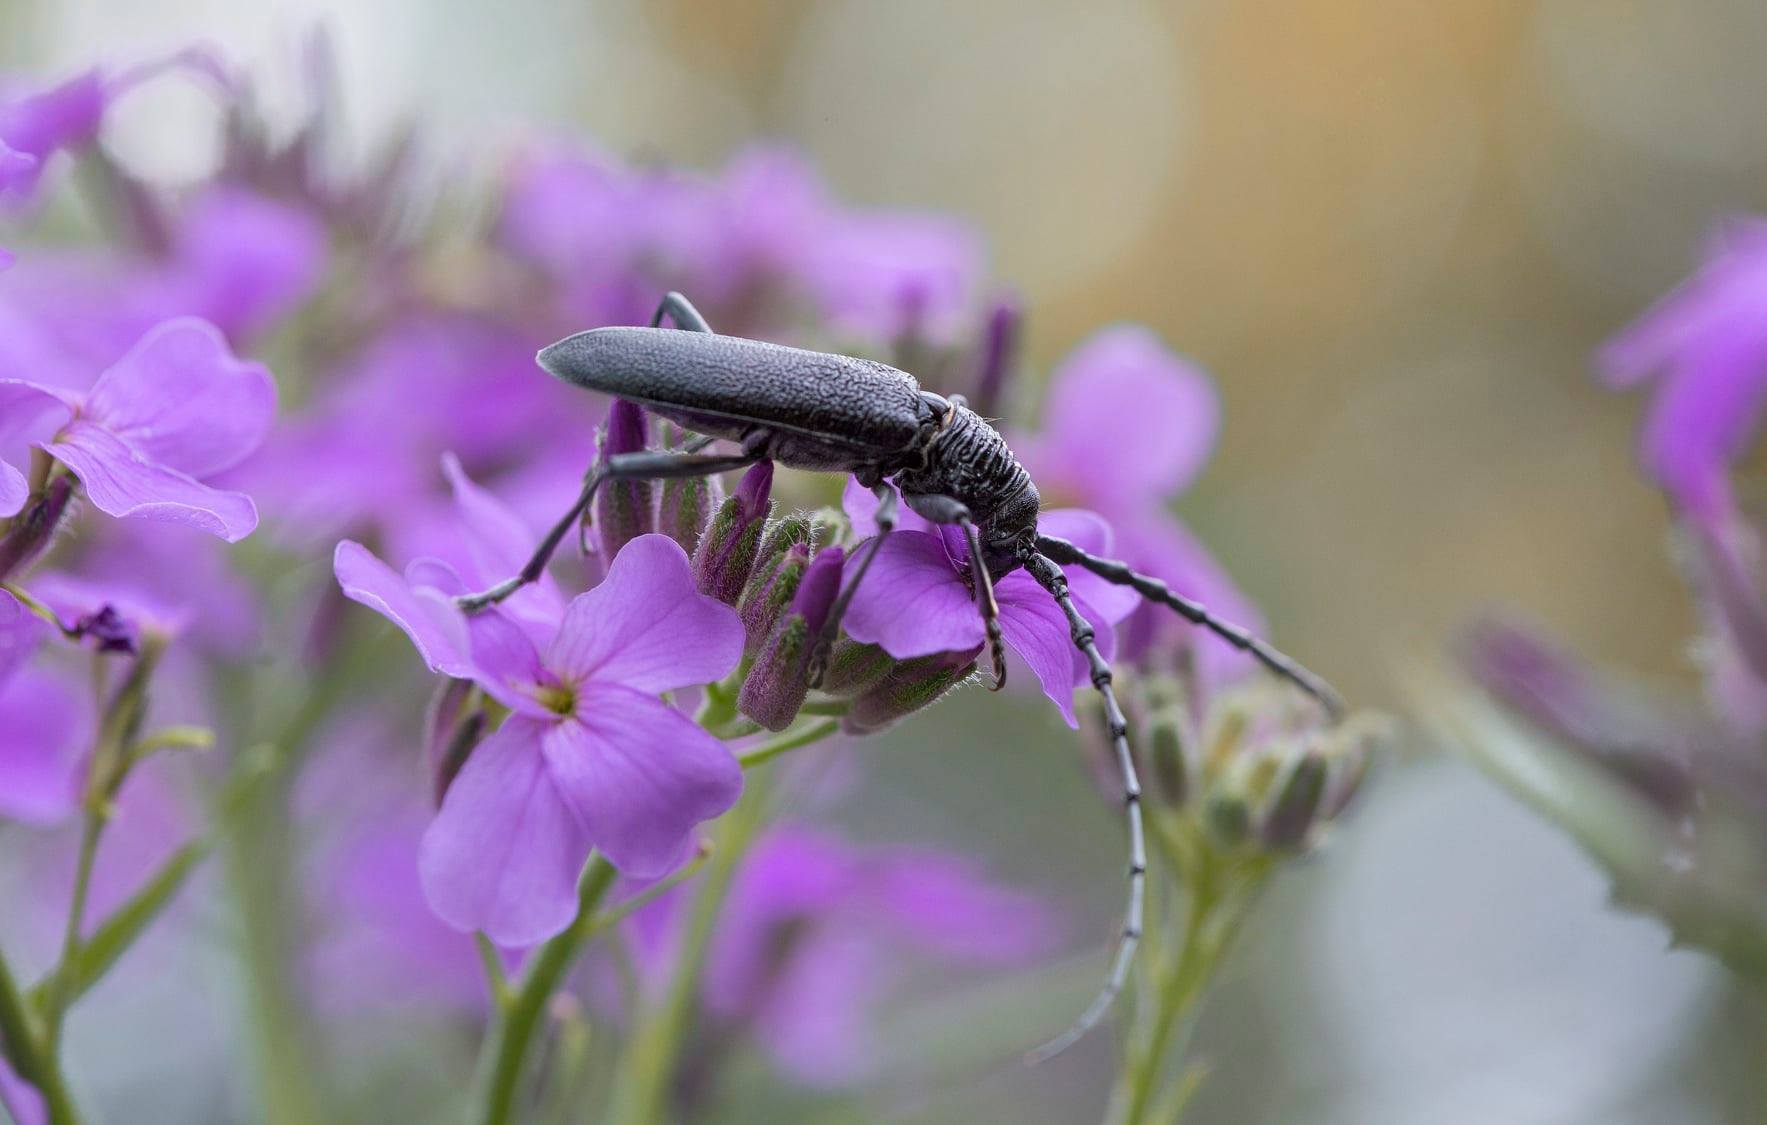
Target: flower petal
pixel 426 615
pixel 1036 629
pixel 646 626
pixel 860 504
pixel 507 663
pixel 912 602
pixel 1129 417
pixel 504 852
pixel 1091 533
pixel 121 484
pixel 44 730
pixel 180 399
pixel 946 904
pixel 21 631
pixel 28 408
pixel 640 776
pixel 17 1096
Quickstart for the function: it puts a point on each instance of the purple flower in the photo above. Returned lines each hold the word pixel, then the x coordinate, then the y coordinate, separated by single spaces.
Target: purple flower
pixel 177 408
pixel 891 275
pixel 813 934
pixel 36 125
pixel 1706 345
pixel 44 728
pixel 1128 426
pixel 916 599
pixel 589 758
pixel 424 385
pixel 382 943
pixel 478 541
pixel 21 1099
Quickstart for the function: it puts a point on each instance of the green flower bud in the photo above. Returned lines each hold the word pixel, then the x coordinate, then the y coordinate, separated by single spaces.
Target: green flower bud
pixel 1291 812
pixel 855 668
pixel 906 688
pixel 777 683
pixel 768 594
pixel 686 507
pixel 726 553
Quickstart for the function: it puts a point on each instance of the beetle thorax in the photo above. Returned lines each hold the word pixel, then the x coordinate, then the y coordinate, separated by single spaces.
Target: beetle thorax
pixel 969 461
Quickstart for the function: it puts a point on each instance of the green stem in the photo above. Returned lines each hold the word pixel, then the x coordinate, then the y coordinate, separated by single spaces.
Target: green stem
pixel 641 1094
pixel 790 740
pixel 60 993
pixel 24 1048
pixel 506 1050
pixel 495 978
pixel 1212 921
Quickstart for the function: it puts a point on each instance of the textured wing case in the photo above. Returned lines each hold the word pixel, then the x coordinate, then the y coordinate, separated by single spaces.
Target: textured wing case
pixel 723 384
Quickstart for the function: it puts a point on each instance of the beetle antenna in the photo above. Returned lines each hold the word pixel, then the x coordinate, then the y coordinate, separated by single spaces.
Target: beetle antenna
pixel 1050 577
pixel 1118 573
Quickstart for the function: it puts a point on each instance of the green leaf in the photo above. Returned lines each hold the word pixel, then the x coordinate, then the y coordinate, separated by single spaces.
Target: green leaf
pixel 116 934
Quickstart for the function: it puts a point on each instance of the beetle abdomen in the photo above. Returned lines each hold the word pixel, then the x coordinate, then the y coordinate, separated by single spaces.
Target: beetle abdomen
pixel 726 385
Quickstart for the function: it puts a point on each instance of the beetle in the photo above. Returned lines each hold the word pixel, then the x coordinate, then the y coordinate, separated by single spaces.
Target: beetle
pixel 834 413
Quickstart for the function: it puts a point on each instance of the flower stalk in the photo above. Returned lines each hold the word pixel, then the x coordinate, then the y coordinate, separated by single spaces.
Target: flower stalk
pixel 506 1049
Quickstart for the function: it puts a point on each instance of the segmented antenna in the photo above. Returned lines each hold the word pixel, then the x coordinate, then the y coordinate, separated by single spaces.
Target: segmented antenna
pixel 1119 574
pixel 1050 577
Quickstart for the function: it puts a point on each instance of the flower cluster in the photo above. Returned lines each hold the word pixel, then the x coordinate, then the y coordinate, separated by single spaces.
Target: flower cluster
pixel 599 733
pixel 1669 795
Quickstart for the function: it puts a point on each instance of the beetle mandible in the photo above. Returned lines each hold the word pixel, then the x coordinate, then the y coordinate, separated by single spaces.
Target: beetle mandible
pixel 834 413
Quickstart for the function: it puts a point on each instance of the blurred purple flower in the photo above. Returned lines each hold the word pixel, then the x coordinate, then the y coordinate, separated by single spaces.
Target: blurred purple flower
pixel 381 942
pixel 107 613
pixel 763 234
pixel 1128 426
pixel 812 935
pixel 238 260
pixel 21 1099
pixel 39 123
pixel 589 758
pixel 44 727
pixel 894 275
pixel 1706 344
pixel 916 600
pixel 426 384
pixel 177 408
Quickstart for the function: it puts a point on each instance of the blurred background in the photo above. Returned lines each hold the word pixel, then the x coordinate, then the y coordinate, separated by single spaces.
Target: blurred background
pixel 1394 233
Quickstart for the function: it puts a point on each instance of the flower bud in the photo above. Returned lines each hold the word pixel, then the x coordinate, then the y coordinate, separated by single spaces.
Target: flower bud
pixel 998 354
pixel 453 724
pixel 1349 750
pixel 29 532
pixel 726 553
pixel 686 507
pixel 107 629
pixel 624 509
pixel 769 592
pixel 1164 739
pixel 906 688
pixel 1227 819
pixel 776 685
pixel 854 668
pixel 1295 804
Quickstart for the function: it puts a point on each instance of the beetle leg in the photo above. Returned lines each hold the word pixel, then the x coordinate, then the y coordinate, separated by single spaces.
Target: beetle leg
pixel 681 311
pixel 648 465
pixel 943 509
pixel 1196 613
pixel 831 628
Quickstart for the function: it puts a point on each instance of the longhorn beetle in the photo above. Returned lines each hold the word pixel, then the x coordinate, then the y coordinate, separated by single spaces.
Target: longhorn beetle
pixel 835 413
